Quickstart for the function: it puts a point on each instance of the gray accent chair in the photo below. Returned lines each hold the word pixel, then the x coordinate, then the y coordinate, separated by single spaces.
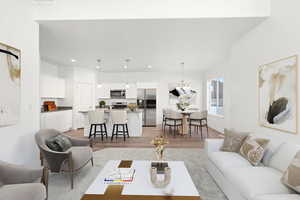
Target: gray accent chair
pixel 18 182
pixel 69 161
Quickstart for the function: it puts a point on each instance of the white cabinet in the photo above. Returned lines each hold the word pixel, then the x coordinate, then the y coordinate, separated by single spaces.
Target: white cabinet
pixel 131 92
pixel 103 92
pixel 59 120
pixel 52 87
pixel 84 96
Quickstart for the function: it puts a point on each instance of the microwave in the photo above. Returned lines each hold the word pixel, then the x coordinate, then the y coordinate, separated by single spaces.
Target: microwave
pixel 118 94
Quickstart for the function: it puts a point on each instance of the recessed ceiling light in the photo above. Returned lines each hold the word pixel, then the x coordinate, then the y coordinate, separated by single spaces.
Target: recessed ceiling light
pixel 98 67
pixel 73 60
pixel 149 66
pixel 125 66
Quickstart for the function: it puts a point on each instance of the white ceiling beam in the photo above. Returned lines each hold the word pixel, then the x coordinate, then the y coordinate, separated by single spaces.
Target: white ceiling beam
pixel 150 9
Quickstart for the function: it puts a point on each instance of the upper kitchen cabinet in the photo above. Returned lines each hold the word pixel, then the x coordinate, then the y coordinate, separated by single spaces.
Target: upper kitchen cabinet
pixel 131 92
pixel 52 87
pixel 103 92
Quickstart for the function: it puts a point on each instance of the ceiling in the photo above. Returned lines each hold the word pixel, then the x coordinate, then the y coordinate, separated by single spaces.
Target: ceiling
pixel 163 44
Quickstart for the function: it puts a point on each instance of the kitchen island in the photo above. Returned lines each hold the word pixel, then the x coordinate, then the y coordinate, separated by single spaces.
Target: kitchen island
pixel 135 123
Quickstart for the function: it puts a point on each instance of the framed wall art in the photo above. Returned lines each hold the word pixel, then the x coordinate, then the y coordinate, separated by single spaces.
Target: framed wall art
pixel 278 93
pixel 10 85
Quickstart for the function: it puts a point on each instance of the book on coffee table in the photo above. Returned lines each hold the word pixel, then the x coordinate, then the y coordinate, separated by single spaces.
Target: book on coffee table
pixel 120 175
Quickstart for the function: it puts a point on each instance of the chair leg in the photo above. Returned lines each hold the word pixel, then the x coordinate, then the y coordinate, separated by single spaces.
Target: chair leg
pixel 201 129
pixel 71 172
pixel 207 130
pixel 174 128
pixel 101 131
pixel 127 131
pixel 190 128
pixel 92 161
pixel 91 127
pixel 113 132
pixel 95 130
pixel 105 130
pixel 124 132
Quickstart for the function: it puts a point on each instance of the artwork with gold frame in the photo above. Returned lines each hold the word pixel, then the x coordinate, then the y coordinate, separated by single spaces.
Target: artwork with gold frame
pixel 278 94
pixel 10 85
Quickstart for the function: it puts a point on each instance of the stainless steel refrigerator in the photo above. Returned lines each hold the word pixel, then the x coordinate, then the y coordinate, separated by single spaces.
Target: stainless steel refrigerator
pixel 146 102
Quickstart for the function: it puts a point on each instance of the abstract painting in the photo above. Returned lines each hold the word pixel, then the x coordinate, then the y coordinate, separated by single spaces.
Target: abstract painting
pixel 176 92
pixel 277 82
pixel 10 75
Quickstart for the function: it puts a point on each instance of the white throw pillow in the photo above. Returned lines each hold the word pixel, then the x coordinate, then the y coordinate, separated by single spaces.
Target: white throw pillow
pixel 284 156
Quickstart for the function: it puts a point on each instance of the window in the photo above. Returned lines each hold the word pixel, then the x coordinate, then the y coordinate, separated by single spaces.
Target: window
pixel 215 104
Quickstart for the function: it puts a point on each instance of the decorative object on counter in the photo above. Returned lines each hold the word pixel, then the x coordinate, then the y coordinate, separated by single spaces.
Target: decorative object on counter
pixel 160 183
pixel 10 74
pixel 102 104
pixel 132 106
pixel 278 94
pixel 49 106
pixel 159 142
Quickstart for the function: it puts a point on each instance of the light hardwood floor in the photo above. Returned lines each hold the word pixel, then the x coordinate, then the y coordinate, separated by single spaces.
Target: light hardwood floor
pixel 149 133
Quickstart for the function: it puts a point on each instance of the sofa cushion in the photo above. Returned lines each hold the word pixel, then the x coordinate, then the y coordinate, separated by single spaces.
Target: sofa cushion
pixel 29 191
pixel 278 197
pixel 284 156
pixel 291 176
pixel 224 160
pixel 59 143
pixel 255 181
pixel 253 149
pixel 233 140
pixel 80 156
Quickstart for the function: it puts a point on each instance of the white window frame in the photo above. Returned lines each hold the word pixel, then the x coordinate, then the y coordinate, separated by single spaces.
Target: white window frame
pixel 209 90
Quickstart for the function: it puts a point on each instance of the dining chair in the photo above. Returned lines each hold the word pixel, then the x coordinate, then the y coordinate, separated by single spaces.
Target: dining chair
pixel 198 120
pixel 173 120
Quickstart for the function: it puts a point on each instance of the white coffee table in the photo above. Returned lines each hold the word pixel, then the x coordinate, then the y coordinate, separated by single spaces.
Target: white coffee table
pixel 181 186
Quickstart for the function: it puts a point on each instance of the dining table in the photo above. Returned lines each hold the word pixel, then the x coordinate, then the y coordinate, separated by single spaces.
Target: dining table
pixel 185 125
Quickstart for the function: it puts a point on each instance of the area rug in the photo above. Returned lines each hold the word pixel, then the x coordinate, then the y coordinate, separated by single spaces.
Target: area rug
pixel 60 189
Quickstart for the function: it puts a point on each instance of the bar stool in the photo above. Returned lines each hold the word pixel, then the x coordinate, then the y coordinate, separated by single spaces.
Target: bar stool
pixel 119 119
pixel 96 119
pixel 198 120
pixel 173 120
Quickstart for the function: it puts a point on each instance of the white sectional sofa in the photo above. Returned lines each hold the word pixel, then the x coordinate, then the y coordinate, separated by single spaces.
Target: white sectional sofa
pixel 239 180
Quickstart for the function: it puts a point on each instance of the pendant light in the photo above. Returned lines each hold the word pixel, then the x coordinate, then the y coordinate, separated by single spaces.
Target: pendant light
pixel 183 83
pixel 126 67
pixel 98 67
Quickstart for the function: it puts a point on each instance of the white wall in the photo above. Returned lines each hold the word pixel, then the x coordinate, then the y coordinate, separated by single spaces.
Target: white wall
pixel 19 30
pixel 275 38
pixel 161 79
pixel 154 9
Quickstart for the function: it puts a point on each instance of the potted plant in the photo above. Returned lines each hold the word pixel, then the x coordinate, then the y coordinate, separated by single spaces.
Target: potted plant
pixel 132 106
pixel 102 104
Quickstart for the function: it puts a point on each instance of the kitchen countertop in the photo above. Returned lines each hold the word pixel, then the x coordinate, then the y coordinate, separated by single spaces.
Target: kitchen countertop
pixel 59 108
pixel 108 111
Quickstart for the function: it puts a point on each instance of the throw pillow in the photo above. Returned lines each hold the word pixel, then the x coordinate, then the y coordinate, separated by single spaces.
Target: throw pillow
pixel 253 149
pixel 233 140
pixel 59 143
pixel 291 176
